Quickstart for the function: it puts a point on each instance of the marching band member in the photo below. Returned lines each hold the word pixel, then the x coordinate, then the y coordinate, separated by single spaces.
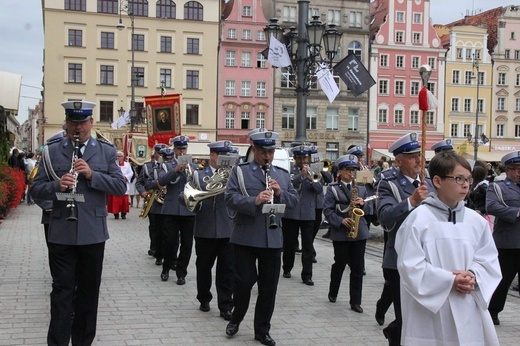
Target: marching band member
pixel 212 231
pixel 252 238
pixel 337 207
pixel 178 220
pixel 444 145
pixel 144 184
pixel 301 217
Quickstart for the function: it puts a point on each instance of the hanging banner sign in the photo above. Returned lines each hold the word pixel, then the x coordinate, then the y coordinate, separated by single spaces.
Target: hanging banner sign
pixel 163 115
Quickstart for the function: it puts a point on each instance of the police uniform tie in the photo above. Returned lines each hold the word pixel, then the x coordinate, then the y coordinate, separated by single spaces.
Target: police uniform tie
pixel 416 183
pixel 80 152
pixel 348 187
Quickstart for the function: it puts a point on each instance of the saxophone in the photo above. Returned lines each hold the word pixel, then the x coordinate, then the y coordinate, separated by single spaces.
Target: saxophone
pixel 354 213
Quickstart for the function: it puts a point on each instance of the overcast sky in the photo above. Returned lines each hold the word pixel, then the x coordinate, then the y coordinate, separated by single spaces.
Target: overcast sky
pixel 21 38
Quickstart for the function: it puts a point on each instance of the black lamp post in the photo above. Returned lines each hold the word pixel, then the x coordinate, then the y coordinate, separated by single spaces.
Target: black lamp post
pixel 126 7
pixel 476 67
pixel 304 47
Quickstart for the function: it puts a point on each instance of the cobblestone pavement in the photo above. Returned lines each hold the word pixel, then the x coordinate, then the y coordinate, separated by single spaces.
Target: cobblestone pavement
pixel 137 308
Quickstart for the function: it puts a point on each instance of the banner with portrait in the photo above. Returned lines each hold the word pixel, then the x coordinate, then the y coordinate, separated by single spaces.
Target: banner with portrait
pixel 137 149
pixel 163 115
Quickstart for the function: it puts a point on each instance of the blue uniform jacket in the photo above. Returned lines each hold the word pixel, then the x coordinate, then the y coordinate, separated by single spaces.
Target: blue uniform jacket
pixel 506 231
pixel 174 182
pixel 305 210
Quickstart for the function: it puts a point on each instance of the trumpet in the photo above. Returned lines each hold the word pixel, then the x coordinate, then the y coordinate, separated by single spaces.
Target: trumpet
pixel 272 215
pixel 313 173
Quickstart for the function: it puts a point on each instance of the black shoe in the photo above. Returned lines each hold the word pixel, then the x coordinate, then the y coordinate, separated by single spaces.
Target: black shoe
pixel 357 308
pixel 158 262
pixel 123 216
pixel 265 339
pixel 298 250
pixel 226 315
pixel 116 216
pixel 332 299
pixel 204 306
pixel 165 275
pixel 181 281
pixel 232 328
pixel 308 281
pixel 287 275
pixel 151 253
pixel 314 260
pixel 496 321
pixel 380 318
pixel 364 271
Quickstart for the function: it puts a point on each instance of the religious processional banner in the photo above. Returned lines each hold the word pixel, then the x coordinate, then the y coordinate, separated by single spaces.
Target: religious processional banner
pixel 163 115
pixel 137 149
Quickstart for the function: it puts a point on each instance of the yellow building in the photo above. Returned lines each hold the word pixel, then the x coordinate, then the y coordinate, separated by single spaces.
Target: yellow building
pixel 87 58
pixel 468 89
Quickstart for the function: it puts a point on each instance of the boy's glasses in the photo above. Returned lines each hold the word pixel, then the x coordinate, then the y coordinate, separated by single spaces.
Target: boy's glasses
pixel 460 180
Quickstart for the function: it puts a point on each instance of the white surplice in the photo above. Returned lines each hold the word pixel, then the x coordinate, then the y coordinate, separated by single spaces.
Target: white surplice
pixel 429 249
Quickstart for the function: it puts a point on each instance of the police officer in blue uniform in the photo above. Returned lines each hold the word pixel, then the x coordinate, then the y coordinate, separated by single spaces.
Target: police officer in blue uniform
pixel 76 248
pixel 399 194
pixel 178 220
pixel 213 225
pixel 444 145
pixel 301 218
pixel 347 250
pixel 253 240
pixel 503 202
pixel 145 183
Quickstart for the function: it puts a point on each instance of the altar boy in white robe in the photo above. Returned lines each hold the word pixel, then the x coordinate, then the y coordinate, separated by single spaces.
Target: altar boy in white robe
pixel 448 264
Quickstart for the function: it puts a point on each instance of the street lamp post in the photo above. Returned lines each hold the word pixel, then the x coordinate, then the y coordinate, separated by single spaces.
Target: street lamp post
pixel 124 6
pixel 304 49
pixel 477 68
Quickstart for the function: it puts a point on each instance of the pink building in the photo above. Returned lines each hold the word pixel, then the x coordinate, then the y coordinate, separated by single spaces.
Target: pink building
pixel 245 79
pixel 403 40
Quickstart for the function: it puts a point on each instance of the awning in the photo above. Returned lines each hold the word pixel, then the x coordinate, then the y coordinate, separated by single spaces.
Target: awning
pixel 488 156
pixel 378 153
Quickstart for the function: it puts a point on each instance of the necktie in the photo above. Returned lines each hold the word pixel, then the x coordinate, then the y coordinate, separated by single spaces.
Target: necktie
pixel 416 183
pixel 80 154
pixel 348 187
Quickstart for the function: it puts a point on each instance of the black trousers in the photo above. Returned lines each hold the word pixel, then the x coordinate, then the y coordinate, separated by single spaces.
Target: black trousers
pixel 291 229
pixel 509 266
pixel 353 254
pixel 247 275
pixel 317 223
pixel 174 226
pixel 393 330
pixel 208 250
pixel 76 277
pixel 155 230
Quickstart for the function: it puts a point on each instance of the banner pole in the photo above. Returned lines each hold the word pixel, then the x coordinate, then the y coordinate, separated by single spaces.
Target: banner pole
pixel 425 71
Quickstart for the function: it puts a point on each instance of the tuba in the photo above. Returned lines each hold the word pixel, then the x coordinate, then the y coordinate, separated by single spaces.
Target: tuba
pixel 354 213
pixel 215 185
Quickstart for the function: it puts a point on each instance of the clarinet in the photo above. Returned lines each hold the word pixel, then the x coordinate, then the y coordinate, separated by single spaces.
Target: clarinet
pixel 272 215
pixel 73 213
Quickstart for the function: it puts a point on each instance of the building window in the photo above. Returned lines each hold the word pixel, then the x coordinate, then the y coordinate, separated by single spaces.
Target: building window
pixel 230 58
pixel 332 121
pixel 107 40
pixel 244 120
pixel 354 47
pixel 261 89
pixel 76 5
pixel 383 87
pixel 193 11
pixel 459 53
pixel 230 120
pixel 455 105
pixel 138 76
pixel 138 42
pixel 332 151
pixel 311 118
pixel 165 9
pixel 501 104
pixel 287 117
pixel 507 54
pixel 166 44
pixel 75 38
pixel 232 34
pixel 192 46
pixel 518 79
pixel 138 8
pixel 289 14
pixel 432 62
pixel 246 59
pixel 356 19
pixel 417 18
pixel 512 35
pixel 399 88
pixel 383 116
pixel 383 60
pixel 106 111
pixel 430 118
pixel 476 55
pixel 333 17
pixel 455 77
pixel 246 11
pixel 467 105
pixel 260 120
pixel 517 105
pixel 417 37
pixel 399 36
pixel 517 54
pixel 416 62
pixel 431 87
pixel 399 61
pixel 165 76
pixel 192 79
pixel 454 132
pixel 414 89
pixel 246 34
pixel 260 35
pixel 353 119
pixel 230 88
pixel 414 117
pixel 192 114
pixel 480 105
pixel 106 75
pixel 107 6
pixel 246 88
pixel 517 131
pixel 468 76
pixel 287 78
pixel 501 79
pixel 399 17
pixel 500 130
pixel 398 116
pixel 468 53
pixel 75 73
pixel 481 78
pixel 466 130
pixel 260 60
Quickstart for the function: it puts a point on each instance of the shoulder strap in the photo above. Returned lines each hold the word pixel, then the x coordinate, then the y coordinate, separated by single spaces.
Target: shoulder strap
pixel 498 191
pixel 395 192
pixel 47 164
pixel 241 182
